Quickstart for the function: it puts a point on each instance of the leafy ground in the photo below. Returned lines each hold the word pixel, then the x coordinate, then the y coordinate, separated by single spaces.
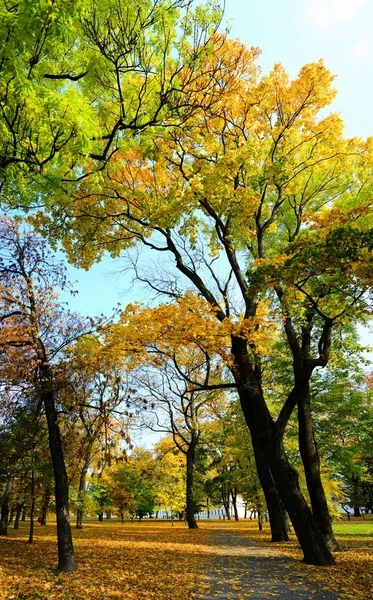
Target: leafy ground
pixel 149 560
pixel 353 574
pixel 155 560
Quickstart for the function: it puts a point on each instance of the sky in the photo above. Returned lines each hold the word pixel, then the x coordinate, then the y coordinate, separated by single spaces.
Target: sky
pixel 293 32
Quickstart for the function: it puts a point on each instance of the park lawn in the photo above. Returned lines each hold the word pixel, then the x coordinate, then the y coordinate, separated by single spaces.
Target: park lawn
pixel 352 576
pixel 148 560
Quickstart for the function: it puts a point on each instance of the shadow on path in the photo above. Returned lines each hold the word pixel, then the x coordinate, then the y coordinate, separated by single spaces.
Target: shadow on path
pixel 242 568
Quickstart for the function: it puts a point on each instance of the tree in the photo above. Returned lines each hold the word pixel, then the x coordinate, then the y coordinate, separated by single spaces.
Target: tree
pixel 92 389
pixel 275 192
pixel 171 388
pixel 34 329
pixel 79 79
pixel 169 493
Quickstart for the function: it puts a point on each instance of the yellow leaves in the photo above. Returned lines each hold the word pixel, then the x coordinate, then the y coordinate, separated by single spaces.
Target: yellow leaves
pixel 144 334
pixel 136 561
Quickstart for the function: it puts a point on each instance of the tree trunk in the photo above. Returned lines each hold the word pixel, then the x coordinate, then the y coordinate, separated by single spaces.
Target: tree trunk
pixel 277 517
pixel 18 515
pixel 356 495
pixel 83 475
pixel 311 463
pixel 234 503
pixel 32 509
pixel 23 518
pixel 267 440
pixel 66 559
pixel 225 492
pixel 5 506
pixel 45 505
pixel 11 516
pixel 190 456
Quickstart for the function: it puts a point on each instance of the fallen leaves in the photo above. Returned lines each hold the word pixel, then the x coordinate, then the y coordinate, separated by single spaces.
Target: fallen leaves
pixel 139 561
pixel 154 561
pixel 352 576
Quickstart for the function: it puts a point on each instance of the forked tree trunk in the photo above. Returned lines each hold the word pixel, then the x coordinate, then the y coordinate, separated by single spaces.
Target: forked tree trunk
pixel 66 559
pixel 190 457
pixel 267 440
pixel 5 506
pixel 311 463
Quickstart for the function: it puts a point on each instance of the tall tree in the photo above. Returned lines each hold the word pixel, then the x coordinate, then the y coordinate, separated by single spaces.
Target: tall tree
pixel 263 184
pixel 32 335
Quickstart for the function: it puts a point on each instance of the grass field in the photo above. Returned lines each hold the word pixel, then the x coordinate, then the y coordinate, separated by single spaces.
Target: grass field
pixel 157 561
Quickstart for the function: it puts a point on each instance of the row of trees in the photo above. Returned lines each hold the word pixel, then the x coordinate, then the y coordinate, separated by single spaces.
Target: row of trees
pixel 142 126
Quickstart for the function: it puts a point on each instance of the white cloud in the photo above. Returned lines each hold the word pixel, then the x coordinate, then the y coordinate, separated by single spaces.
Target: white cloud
pixel 330 12
pixel 362 50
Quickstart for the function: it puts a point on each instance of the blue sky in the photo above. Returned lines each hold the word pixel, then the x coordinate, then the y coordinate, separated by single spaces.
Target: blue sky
pixel 293 32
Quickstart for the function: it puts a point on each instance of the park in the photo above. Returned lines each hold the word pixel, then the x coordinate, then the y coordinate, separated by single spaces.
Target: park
pixel 199 423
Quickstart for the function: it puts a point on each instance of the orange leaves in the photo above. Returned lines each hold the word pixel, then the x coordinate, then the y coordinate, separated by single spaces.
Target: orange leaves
pixel 150 561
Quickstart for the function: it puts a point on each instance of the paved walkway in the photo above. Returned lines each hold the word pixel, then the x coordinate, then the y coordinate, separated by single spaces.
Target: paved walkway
pixel 243 569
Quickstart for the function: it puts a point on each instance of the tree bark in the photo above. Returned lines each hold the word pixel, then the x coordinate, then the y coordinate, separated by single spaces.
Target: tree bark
pixel 45 505
pixel 355 495
pixel 32 508
pixel 225 491
pixel 11 516
pixel 66 559
pixel 190 457
pixel 267 440
pixel 311 463
pixel 277 517
pixel 234 503
pixel 18 515
pixel 5 506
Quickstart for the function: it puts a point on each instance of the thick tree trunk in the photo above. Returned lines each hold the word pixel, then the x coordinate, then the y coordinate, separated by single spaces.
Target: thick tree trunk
pixel 306 529
pixel 66 559
pixel 311 463
pixel 267 440
pixel 23 518
pixel 5 506
pixel 277 517
pixel 190 457
pixel 45 506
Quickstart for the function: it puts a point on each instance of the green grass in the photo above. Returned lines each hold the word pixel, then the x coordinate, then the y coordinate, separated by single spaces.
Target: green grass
pixel 352 528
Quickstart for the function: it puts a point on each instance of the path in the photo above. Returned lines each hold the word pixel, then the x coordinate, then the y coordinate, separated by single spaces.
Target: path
pixel 244 569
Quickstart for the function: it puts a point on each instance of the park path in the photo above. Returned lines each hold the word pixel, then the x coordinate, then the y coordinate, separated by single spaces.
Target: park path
pixel 244 569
